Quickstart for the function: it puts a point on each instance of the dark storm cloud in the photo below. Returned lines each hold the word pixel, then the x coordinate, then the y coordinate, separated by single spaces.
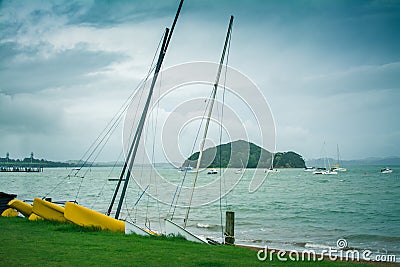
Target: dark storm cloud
pixel 313 60
pixel 108 13
pixel 35 72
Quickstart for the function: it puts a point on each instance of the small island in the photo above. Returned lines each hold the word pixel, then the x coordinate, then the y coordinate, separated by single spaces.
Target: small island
pixel 243 154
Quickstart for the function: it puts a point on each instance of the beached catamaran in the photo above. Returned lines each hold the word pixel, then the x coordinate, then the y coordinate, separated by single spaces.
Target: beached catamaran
pixel 171 227
pixel 83 216
pixel 86 217
pixel 72 212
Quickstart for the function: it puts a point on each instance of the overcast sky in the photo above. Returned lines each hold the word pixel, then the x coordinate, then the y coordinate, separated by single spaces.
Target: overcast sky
pixel 330 70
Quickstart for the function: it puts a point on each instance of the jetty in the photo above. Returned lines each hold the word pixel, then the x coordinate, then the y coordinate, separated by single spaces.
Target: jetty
pixel 27 165
pixel 20 169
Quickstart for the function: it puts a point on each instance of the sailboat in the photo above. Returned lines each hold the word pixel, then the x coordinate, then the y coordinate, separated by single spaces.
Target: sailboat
pixel 83 216
pixel 326 170
pixel 171 228
pixel 271 168
pixel 336 167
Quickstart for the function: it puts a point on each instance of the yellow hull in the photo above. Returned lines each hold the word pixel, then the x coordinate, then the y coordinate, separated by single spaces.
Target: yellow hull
pixel 10 213
pixel 48 210
pixel 34 217
pixel 89 218
pixel 24 208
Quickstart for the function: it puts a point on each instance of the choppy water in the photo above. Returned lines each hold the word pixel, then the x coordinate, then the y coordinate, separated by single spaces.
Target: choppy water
pixel 293 209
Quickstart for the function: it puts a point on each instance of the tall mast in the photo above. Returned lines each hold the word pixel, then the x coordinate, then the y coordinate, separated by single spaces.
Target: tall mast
pixel 135 143
pixel 214 92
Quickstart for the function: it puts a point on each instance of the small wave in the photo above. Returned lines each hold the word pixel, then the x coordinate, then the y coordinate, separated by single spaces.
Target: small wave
pixel 320 246
pixel 208 226
pixel 299 244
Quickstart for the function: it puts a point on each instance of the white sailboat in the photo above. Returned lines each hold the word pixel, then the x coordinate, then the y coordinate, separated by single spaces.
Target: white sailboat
pixel 336 167
pixel 326 170
pixel 171 227
pixel 271 168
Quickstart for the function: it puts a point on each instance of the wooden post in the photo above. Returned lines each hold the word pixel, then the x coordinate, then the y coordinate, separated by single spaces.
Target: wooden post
pixel 230 228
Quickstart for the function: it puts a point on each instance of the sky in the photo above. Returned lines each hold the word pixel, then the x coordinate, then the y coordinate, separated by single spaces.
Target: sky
pixel 330 70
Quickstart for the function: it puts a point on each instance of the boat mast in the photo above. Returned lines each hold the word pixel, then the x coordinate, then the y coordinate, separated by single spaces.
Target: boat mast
pixel 337 147
pixel 214 92
pixel 135 143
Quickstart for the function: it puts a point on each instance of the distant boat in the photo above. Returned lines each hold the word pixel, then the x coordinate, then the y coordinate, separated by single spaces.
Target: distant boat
pixel 330 172
pixel 309 169
pixel 239 171
pixel 327 170
pixel 212 171
pixel 324 171
pixel 184 169
pixel 271 170
pixel 336 167
pixel 386 170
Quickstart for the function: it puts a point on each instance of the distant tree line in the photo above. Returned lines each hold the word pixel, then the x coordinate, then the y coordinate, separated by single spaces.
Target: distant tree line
pixel 34 163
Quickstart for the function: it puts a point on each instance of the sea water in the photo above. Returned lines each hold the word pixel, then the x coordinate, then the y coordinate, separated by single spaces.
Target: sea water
pixel 292 209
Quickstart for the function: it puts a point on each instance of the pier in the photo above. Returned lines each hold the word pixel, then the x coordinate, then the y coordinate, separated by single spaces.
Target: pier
pixel 20 169
pixel 26 165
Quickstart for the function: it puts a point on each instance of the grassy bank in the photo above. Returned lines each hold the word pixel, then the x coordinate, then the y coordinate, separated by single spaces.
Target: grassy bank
pixel 27 243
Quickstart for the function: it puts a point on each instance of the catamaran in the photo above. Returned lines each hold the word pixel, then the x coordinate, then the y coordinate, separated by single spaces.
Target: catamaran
pixel 83 216
pixel 171 227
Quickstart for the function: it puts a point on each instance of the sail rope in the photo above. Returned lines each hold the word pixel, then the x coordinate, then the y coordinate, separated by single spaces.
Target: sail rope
pixel 175 198
pixel 142 171
pixel 105 181
pixel 153 150
pixel 103 144
pixel 220 141
pixel 106 132
pixel 214 92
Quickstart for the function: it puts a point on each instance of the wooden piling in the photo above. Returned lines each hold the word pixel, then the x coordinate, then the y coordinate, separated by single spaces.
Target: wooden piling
pixel 230 228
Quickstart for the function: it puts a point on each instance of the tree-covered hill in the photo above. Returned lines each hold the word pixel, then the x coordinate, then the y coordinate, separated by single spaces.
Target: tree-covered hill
pixel 288 160
pixel 240 154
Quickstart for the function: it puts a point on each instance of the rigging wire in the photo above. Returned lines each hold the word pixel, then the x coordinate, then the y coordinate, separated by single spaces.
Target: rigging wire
pixel 105 181
pixel 220 140
pixel 103 144
pixel 153 148
pixel 105 132
pixel 179 187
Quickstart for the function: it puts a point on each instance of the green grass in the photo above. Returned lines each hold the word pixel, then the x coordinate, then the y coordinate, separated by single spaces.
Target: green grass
pixel 40 243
